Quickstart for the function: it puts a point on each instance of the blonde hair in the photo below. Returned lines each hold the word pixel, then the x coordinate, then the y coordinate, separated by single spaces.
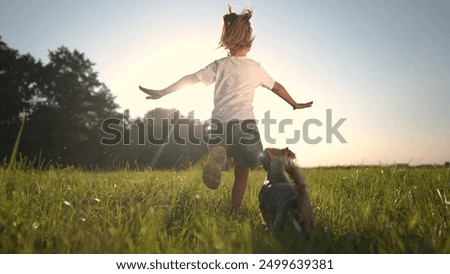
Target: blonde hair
pixel 236 31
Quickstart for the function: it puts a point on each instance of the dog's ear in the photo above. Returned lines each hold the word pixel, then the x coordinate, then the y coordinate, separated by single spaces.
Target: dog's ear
pixel 270 154
pixel 289 154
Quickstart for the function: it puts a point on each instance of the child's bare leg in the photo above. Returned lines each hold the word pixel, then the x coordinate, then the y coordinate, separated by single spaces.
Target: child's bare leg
pixel 240 184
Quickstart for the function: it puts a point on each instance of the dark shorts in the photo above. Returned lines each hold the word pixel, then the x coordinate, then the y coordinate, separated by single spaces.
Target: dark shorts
pixel 240 138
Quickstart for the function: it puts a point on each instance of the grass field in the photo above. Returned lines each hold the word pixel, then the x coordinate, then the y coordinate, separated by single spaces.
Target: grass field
pixel 358 210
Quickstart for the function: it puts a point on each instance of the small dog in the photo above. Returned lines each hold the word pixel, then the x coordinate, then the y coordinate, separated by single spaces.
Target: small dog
pixel 282 200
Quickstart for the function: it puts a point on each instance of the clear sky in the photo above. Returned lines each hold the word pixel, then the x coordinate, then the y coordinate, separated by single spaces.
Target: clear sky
pixel 383 65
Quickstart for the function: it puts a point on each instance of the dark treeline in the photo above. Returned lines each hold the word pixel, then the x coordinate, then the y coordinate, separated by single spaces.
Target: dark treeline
pixel 65 108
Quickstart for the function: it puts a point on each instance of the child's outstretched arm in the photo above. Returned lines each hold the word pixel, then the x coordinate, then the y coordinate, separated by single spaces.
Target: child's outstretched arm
pixel 187 80
pixel 279 90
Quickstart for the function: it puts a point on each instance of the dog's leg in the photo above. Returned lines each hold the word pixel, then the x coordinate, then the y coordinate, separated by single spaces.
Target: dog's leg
pixel 281 215
pixel 267 217
pixel 296 225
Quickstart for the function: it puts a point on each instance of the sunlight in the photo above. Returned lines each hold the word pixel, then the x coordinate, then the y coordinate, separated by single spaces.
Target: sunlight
pixel 159 67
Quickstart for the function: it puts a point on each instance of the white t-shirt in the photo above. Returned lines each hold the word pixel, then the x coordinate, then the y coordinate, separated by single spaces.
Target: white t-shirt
pixel 236 79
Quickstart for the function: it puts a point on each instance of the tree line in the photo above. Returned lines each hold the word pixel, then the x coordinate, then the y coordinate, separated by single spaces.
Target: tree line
pixel 64 107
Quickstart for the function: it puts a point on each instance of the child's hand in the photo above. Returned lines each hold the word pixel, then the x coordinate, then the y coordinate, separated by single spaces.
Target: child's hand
pixel 153 94
pixel 304 105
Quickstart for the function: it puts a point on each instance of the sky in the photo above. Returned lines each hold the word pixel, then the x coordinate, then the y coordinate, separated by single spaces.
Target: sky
pixel 377 71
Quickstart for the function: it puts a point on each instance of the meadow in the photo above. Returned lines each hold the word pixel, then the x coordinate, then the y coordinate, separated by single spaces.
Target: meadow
pixel 379 209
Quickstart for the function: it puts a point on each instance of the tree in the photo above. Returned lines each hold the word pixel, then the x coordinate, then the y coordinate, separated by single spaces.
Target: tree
pixel 178 151
pixel 67 114
pixel 65 104
pixel 20 76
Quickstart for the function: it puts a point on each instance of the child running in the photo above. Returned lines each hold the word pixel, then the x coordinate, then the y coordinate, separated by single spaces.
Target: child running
pixel 236 77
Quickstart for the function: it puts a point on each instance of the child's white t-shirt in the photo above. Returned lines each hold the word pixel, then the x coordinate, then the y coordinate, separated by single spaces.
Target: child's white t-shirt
pixel 236 79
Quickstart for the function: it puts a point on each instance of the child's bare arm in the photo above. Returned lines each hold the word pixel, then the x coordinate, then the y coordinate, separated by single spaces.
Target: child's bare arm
pixel 279 90
pixel 187 80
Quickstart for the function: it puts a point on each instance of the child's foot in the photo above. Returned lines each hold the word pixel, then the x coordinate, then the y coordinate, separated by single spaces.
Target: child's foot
pixel 212 172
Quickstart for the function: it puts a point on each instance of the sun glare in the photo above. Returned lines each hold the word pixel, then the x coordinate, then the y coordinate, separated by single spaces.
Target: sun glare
pixel 156 68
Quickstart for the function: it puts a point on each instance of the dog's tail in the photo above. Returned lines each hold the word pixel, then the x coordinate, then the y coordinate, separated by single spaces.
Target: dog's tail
pixel 305 214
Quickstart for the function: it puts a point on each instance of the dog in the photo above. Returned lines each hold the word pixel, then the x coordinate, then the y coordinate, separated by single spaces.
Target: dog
pixel 283 199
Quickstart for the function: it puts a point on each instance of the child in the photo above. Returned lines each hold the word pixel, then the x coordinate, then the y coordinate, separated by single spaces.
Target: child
pixel 236 77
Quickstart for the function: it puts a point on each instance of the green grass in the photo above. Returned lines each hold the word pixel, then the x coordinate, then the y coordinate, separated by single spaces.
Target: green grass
pixel 358 210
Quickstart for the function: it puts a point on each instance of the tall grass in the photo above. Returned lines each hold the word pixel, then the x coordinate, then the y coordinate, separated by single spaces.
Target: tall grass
pixel 12 160
pixel 358 210
pixel 9 180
